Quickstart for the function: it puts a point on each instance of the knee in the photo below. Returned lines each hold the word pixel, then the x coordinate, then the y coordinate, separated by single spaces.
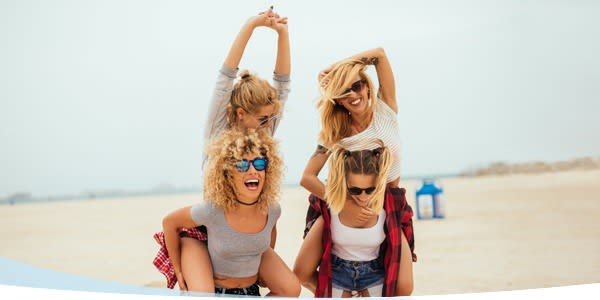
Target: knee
pixel 303 276
pixel 404 287
pixel 291 288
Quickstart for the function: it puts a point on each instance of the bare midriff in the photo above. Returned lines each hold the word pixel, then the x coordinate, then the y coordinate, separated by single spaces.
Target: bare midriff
pixel 234 282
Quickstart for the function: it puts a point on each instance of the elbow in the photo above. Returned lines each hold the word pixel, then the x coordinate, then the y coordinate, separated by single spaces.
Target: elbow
pixel 379 52
pixel 167 222
pixel 304 181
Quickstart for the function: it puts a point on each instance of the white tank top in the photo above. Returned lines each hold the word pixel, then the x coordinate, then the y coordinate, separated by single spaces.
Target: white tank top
pixel 356 244
pixel 384 126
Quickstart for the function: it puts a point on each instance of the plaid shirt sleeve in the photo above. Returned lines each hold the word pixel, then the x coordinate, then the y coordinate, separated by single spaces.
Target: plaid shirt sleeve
pixel 399 218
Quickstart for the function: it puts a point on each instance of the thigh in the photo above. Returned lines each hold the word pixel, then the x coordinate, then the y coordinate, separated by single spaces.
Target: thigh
pixel 277 276
pixel 196 266
pixel 309 255
pixel 404 285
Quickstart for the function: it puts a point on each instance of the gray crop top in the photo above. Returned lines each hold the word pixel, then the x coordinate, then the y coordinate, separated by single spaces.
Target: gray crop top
pixel 233 253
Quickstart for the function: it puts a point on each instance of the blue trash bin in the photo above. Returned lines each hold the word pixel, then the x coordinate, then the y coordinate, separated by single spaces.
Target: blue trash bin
pixel 429 201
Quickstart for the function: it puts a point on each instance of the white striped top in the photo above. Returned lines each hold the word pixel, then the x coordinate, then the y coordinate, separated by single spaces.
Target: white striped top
pixel 384 126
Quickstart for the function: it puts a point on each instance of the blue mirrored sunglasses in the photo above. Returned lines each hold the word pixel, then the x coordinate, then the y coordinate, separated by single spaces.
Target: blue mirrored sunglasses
pixel 259 163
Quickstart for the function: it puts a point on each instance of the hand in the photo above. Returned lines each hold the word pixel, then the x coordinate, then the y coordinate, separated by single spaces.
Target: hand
pixel 365 214
pixel 322 77
pixel 270 19
pixel 181 281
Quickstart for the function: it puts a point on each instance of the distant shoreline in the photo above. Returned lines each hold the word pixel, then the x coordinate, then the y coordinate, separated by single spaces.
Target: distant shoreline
pixel 495 168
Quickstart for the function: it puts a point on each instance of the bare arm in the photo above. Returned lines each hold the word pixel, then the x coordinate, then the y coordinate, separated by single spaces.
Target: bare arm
pixel 282 62
pixel 310 178
pixel 385 76
pixel 268 19
pixel 180 218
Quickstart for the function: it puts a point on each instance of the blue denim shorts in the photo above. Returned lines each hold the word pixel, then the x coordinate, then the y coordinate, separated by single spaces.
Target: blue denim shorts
pixel 356 275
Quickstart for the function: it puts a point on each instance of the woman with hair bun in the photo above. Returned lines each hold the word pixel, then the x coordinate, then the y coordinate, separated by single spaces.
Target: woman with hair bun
pixel 249 103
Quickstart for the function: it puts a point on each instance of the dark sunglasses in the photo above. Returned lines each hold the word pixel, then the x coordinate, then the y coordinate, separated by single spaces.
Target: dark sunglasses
pixel 259 163
pixel 262 121
pixel 356 191
pixel 356 87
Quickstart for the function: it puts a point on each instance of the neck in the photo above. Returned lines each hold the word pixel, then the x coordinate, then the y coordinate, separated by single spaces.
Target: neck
pixel 247 203
pixel 360 122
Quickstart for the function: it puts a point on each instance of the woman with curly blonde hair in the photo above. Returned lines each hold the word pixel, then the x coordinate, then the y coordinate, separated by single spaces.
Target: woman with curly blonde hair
pixel 240 211
pixel 251 102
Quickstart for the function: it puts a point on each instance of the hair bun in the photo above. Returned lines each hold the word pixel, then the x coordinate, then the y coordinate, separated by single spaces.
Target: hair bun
pixel 245 74
pixel 377 151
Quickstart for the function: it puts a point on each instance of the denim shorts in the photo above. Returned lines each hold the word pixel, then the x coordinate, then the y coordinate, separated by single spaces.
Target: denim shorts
pixel 356 275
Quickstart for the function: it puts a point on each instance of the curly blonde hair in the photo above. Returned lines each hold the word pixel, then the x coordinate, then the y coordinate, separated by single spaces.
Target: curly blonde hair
pixel 368 162
pixel 225 150
pixel 251 93
pixel 335 123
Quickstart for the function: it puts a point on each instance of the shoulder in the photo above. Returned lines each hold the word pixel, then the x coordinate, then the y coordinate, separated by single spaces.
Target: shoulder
pixel 203 212
pixel 275 210
pixel 384 109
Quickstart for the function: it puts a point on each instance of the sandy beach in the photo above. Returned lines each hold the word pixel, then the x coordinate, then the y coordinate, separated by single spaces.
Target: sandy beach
pixel 500 233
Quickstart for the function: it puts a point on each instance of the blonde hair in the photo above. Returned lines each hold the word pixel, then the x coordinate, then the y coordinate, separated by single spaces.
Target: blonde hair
pixel 375 162
pixel 335 122
pixel 251 93
pixel 225 150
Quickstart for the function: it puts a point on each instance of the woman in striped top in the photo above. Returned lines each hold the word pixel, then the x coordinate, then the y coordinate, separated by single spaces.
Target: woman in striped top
pixel 352 111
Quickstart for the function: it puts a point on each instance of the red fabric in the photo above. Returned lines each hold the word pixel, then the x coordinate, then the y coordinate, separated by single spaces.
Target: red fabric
pixel 162 261
pixel 398 217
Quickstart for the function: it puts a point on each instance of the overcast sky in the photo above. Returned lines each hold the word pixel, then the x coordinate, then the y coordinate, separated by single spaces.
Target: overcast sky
pixel 98 95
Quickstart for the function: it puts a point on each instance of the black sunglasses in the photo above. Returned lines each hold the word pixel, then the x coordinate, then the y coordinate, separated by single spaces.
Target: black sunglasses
pixel 356 191
pixel 262 121
pixel 259 163
pixel 356 87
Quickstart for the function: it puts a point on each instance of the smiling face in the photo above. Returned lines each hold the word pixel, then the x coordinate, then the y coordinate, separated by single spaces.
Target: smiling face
pixel 356 96
pixel 249 184
pixel 361 181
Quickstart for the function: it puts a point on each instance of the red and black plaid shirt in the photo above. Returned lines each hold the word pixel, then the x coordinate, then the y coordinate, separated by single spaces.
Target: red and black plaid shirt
pixel 162 262
pixel 398 217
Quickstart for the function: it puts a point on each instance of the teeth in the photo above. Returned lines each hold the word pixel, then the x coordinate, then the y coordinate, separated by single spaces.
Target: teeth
pixel 252 181
pixel 355 101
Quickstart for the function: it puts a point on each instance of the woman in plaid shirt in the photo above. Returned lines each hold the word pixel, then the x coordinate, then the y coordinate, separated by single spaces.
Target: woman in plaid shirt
pixel 357 256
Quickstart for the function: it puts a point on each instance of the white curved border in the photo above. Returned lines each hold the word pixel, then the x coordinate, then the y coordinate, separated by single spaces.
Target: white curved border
pixel 585 291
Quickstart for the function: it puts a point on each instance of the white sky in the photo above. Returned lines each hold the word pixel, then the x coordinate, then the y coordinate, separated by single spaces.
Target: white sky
pixel 98 95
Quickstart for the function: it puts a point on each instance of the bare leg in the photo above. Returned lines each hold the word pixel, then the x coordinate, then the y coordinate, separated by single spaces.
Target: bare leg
pixel 277 276
pixel 196 266
pixel 309 256
pixel 404 285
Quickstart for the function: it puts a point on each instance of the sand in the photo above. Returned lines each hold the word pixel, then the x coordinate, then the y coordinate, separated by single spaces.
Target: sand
pixel 500 233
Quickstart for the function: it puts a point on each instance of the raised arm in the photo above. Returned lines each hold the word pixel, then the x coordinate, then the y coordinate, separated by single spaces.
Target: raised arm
pixel 310 178
pixel 282 62
pixel 180 218
pixel 385 76
pixel 216 114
